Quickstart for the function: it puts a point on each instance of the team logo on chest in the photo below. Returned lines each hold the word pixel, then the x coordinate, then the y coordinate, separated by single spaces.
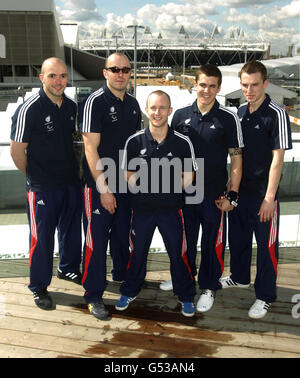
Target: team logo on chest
pixel 186 125
pixel 49 124
pixel 143 155
pixel 113 114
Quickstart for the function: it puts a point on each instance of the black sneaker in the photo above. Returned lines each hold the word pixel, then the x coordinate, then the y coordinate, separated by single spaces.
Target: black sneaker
pixel 43 300
pixel 98 310
pixel 75 277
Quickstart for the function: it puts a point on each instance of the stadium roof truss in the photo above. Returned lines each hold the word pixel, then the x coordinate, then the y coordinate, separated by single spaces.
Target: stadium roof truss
pixel 163 52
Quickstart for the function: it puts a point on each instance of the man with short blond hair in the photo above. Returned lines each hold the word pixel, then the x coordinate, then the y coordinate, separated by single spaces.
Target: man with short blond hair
pixel 158 208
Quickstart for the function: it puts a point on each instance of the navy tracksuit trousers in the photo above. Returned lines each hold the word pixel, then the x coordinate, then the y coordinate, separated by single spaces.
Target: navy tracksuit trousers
pixel 59 209
pixel 213 241
pixel 171 227
pixel 100 227
pixel 243 222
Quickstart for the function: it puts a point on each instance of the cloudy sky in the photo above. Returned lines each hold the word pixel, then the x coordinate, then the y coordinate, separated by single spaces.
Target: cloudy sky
pixel 276 21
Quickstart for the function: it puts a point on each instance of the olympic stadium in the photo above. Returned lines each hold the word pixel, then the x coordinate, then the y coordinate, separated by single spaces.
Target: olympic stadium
pixel 182 49
pixel 30 32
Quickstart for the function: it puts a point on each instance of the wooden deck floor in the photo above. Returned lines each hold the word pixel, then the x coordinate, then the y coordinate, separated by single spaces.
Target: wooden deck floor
pixel 152 327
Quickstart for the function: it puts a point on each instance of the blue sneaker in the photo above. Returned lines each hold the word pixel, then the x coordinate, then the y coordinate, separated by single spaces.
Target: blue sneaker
pixel 123 302
pixel 188 309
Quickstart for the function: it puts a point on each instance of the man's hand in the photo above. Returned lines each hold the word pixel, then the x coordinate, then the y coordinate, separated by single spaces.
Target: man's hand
pixel 266 210
pixel 224 204
pixel 109 202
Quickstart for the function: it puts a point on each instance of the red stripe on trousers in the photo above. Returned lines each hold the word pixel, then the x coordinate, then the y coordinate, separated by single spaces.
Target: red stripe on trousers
pixel 219 242
pixel 130 243
pixel 273 237
pixel 88 238
pixel 33 229
pixel 184 246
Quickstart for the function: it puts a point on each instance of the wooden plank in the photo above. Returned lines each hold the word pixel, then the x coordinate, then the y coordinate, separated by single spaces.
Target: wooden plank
pixel 158 348
pixel 156 261
pixel 200 343
pixel 153 322
pixel 230 299
pixel 16 351
pixel 67 329
pixel 68 346
pixel 218 319
pixel 285 272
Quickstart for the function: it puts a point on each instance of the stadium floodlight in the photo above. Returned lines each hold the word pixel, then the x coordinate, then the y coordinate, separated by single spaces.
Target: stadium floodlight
pixel 183 33
pixel 135 27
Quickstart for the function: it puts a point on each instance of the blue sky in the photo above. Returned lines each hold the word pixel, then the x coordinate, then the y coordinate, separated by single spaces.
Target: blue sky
pixel 126 6
pixel 277 22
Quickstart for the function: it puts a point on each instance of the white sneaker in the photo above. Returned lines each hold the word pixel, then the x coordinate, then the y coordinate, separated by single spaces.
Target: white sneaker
pixel 166 286
pixel 227 282
pixel 259 309
pixel 206 300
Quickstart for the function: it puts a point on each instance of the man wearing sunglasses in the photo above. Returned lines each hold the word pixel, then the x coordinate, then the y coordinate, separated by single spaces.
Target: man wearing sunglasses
pixel 107 118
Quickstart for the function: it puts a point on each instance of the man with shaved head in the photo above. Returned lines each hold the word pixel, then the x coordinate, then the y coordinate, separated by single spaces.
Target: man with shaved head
pixel 107 118
pixel 42 149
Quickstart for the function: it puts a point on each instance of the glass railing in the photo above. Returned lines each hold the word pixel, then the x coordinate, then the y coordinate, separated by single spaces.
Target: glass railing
pixel 12 182
pixel 13 218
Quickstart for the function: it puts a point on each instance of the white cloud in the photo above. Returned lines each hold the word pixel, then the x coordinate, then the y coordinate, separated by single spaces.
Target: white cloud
pixel 79 10
pixel 291 10
pixel 243 3
pixel 273 20
pixel 265 17
pixel 169 17
pixel 274 25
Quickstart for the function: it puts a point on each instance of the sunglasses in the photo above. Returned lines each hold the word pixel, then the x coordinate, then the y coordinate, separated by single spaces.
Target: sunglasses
pixel 124 70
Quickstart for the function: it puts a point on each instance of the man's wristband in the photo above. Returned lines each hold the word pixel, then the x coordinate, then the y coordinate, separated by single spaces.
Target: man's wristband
pixel 232 197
